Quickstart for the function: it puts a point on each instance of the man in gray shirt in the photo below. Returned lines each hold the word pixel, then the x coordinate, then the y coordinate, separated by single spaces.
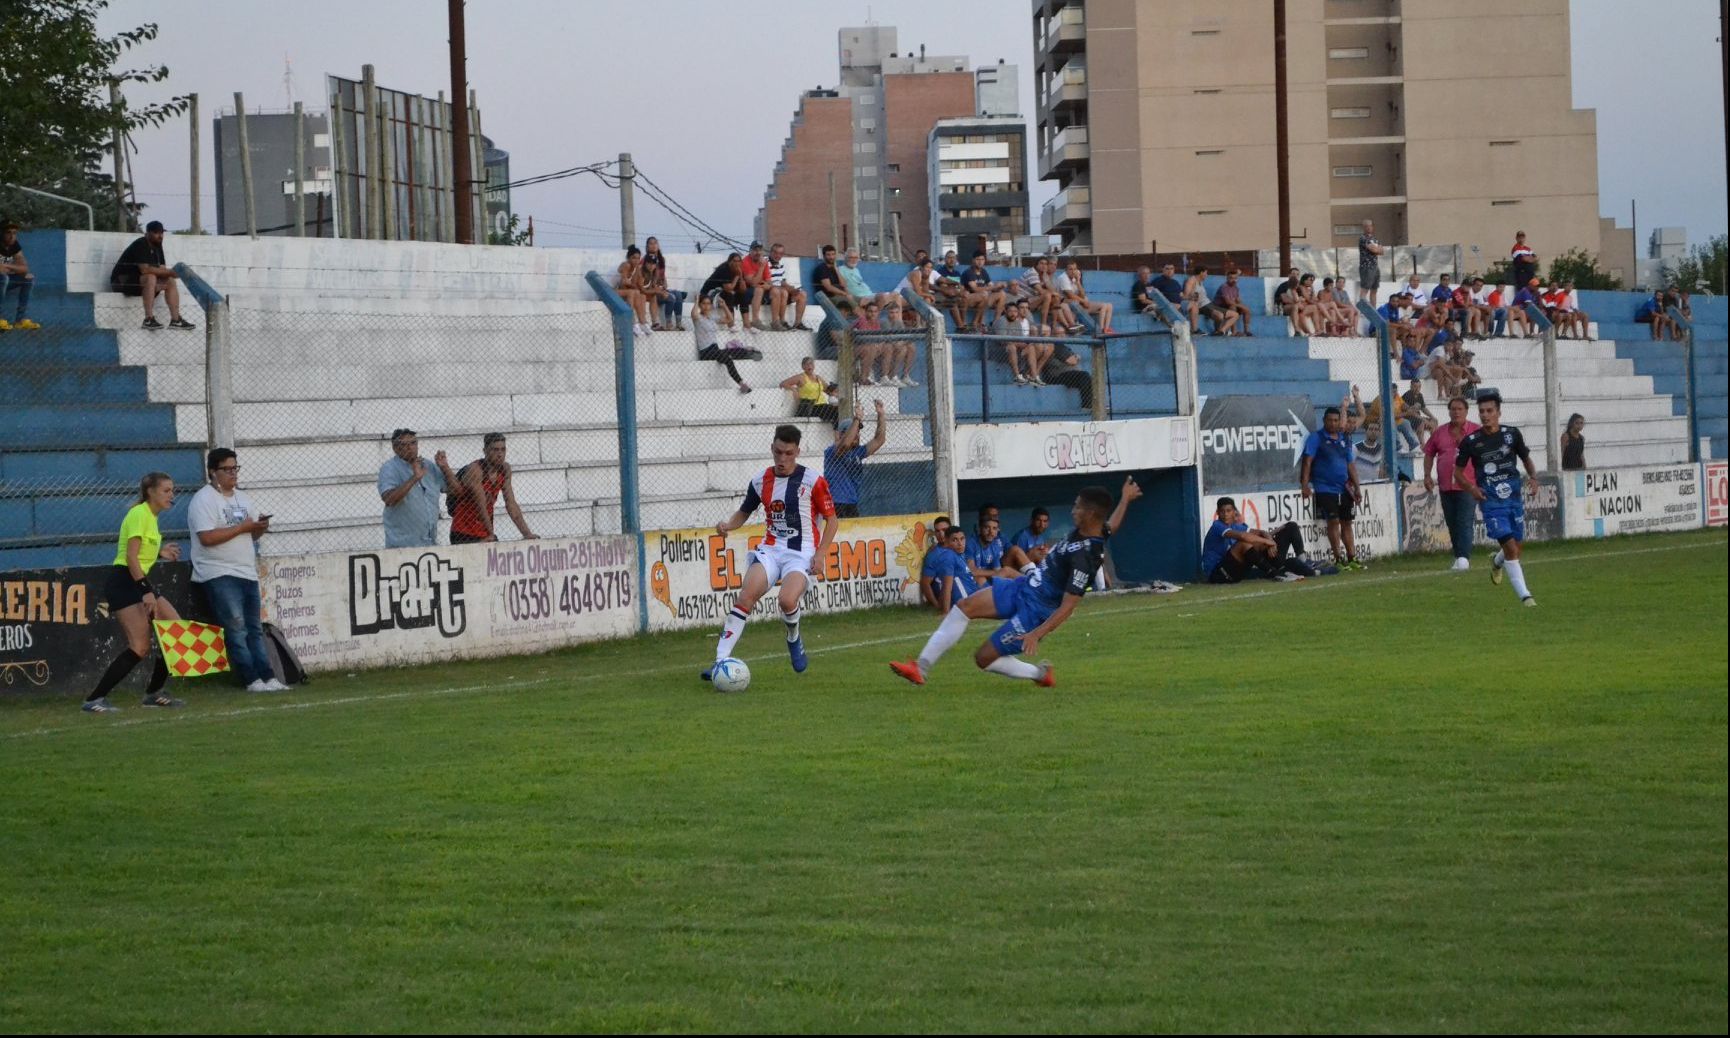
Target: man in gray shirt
pixel 411 489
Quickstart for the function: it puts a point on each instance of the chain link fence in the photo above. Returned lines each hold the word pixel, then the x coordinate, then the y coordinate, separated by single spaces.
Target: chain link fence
pixel 93 402
pixel 317 397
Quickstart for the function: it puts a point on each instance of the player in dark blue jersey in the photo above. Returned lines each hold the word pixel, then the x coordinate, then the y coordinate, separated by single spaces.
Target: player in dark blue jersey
pixel 1491 450
pixel 1034 605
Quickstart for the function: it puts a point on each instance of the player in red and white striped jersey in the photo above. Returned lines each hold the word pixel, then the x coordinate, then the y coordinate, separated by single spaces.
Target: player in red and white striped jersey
pixel 793 498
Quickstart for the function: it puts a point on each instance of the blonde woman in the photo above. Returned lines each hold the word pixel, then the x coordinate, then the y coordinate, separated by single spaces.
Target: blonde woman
pixel 131 598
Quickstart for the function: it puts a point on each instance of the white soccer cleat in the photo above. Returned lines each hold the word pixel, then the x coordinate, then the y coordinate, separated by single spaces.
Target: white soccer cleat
pixel 1462 564
pixel 1529 602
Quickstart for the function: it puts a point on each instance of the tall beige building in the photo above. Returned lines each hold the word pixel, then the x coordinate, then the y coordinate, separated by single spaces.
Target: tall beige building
pixel 1448 123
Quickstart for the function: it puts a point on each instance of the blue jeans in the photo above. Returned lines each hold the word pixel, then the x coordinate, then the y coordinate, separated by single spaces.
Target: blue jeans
pixel 672 306
pixel 1500 316
pixel 20 284
pixel 236 604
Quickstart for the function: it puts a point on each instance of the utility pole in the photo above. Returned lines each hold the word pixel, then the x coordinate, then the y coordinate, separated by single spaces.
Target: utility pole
pixel 192 114
pixel 627 200
pixel 1282 142
pixel 462 170
pixel 299 170
pixel 246 165
pixel 119 159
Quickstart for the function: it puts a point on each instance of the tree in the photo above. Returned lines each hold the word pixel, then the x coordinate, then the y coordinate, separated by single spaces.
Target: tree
pixel 1703 269
pixel 511 235
pixel 56 118
pixel 1581 267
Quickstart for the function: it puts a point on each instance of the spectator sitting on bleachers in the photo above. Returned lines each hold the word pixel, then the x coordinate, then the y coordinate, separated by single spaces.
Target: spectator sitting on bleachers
pixel 1228 304
pixel 1653 312
pixel 867 353
pixel 755 267
pixel 1402 425
pixel 812 397
pixel 143 271
pixel 782 292
pixel 947 284
pixel 1030 356
pixel 1289 302
pixel 15 276
pixel 1196 303
pixel 628 281
pixel 1342 302
pixel 1401 332
pixel 979 295
pixel 1568 317
pixel 826 276
pixel 1138 293
pixel 1530 297
pixel 1312 306
pixel 918 281
pixel 853 280
pixel 1678 299
pixel 1473 321
pixel 1432 325
pixel 1062 314
pixel 1489 303
pixel 726 288
pixel 1074 292
pixel 1063 368
pixel 898 354
pixel 672 300
pixel 710 347
pixel 654 290
pixel 1517 316
pixel 1417 410
pixel 1336 319
pixel 1040 302
pixel 1166 284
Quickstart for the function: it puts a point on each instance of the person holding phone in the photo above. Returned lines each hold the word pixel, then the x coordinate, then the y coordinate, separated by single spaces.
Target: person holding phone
pixel 225 528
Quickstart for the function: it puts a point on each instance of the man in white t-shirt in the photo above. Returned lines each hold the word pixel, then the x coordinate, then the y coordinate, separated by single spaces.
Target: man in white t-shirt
pixel 224 526
pixel 782 291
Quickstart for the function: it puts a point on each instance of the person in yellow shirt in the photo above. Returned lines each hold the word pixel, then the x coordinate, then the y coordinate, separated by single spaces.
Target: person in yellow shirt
pixel 132 600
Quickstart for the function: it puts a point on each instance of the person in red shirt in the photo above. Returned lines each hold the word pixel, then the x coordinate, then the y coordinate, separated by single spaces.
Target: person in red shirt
pixel 1444 443
pixel 480 483
pixel 755 266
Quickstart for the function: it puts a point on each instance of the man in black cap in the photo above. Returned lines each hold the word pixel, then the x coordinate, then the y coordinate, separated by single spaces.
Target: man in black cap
pixel 143 271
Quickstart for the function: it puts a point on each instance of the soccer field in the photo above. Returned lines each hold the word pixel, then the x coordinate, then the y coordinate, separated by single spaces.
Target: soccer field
pixel 1389 801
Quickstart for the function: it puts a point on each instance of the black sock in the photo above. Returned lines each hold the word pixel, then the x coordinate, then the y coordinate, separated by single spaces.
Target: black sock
pixel 158 677
pixel 115 674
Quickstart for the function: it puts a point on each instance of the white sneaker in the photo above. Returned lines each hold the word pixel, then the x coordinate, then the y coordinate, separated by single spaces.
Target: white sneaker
pixel 1462 564
pixel 259 685
pixel 274 685
pixel 1021 380
pixel 910 383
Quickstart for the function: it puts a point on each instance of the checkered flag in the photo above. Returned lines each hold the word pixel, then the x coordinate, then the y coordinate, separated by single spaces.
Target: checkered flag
pixel 192 649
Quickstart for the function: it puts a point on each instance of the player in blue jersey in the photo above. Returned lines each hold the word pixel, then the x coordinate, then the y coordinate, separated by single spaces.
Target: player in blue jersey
pixel 1031 544
pixel 1491 450
pixel 1034 605
pixel 985 554
pixel 952 578
pixel 1327 463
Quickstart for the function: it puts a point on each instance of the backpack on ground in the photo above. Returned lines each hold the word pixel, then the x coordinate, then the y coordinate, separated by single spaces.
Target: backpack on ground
pixel 284 664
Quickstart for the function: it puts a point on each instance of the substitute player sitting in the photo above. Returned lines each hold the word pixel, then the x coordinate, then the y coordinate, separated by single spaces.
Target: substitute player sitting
pixel 792 497
pixel 1491 450
pixel 1034 605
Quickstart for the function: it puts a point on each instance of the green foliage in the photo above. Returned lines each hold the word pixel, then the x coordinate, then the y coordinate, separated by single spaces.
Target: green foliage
pixel 56 118
pixel 1702 269
pixel 1274 807
pixel 1581 267
pixel 512 234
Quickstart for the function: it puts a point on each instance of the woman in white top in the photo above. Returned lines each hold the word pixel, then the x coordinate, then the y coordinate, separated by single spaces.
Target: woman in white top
pixel 1076 292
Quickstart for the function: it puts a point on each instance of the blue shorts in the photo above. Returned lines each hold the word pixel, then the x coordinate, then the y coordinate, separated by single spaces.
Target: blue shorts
pixel 1442 336
pixel 1020 610
pixel 1504 519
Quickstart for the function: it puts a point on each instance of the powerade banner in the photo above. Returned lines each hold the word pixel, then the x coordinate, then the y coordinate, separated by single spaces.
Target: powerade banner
pixel 1426 530
pixel 56 634
pixel 422 605
pixel 1373 528
pixel 694 575
pixel 1253 441
pixel 1605 502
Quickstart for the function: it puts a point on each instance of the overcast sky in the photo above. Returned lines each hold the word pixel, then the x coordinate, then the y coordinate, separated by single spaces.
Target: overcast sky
pixel 702 97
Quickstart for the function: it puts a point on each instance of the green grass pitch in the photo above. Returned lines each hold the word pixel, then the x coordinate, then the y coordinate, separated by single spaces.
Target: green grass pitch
pixel 1390 801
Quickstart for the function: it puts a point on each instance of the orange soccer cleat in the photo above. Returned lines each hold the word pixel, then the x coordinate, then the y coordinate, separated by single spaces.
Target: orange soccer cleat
pixel 909 670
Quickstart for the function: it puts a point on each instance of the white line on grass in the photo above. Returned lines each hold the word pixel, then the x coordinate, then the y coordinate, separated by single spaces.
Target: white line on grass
pixel 510 685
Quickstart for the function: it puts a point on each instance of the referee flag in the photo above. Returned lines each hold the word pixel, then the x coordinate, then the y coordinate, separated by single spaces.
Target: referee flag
pixel 192 649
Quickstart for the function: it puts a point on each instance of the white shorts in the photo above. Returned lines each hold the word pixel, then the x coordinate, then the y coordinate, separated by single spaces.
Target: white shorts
pixel 777 561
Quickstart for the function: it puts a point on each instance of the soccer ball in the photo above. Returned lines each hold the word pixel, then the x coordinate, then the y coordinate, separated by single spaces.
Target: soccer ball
pixel 731 675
